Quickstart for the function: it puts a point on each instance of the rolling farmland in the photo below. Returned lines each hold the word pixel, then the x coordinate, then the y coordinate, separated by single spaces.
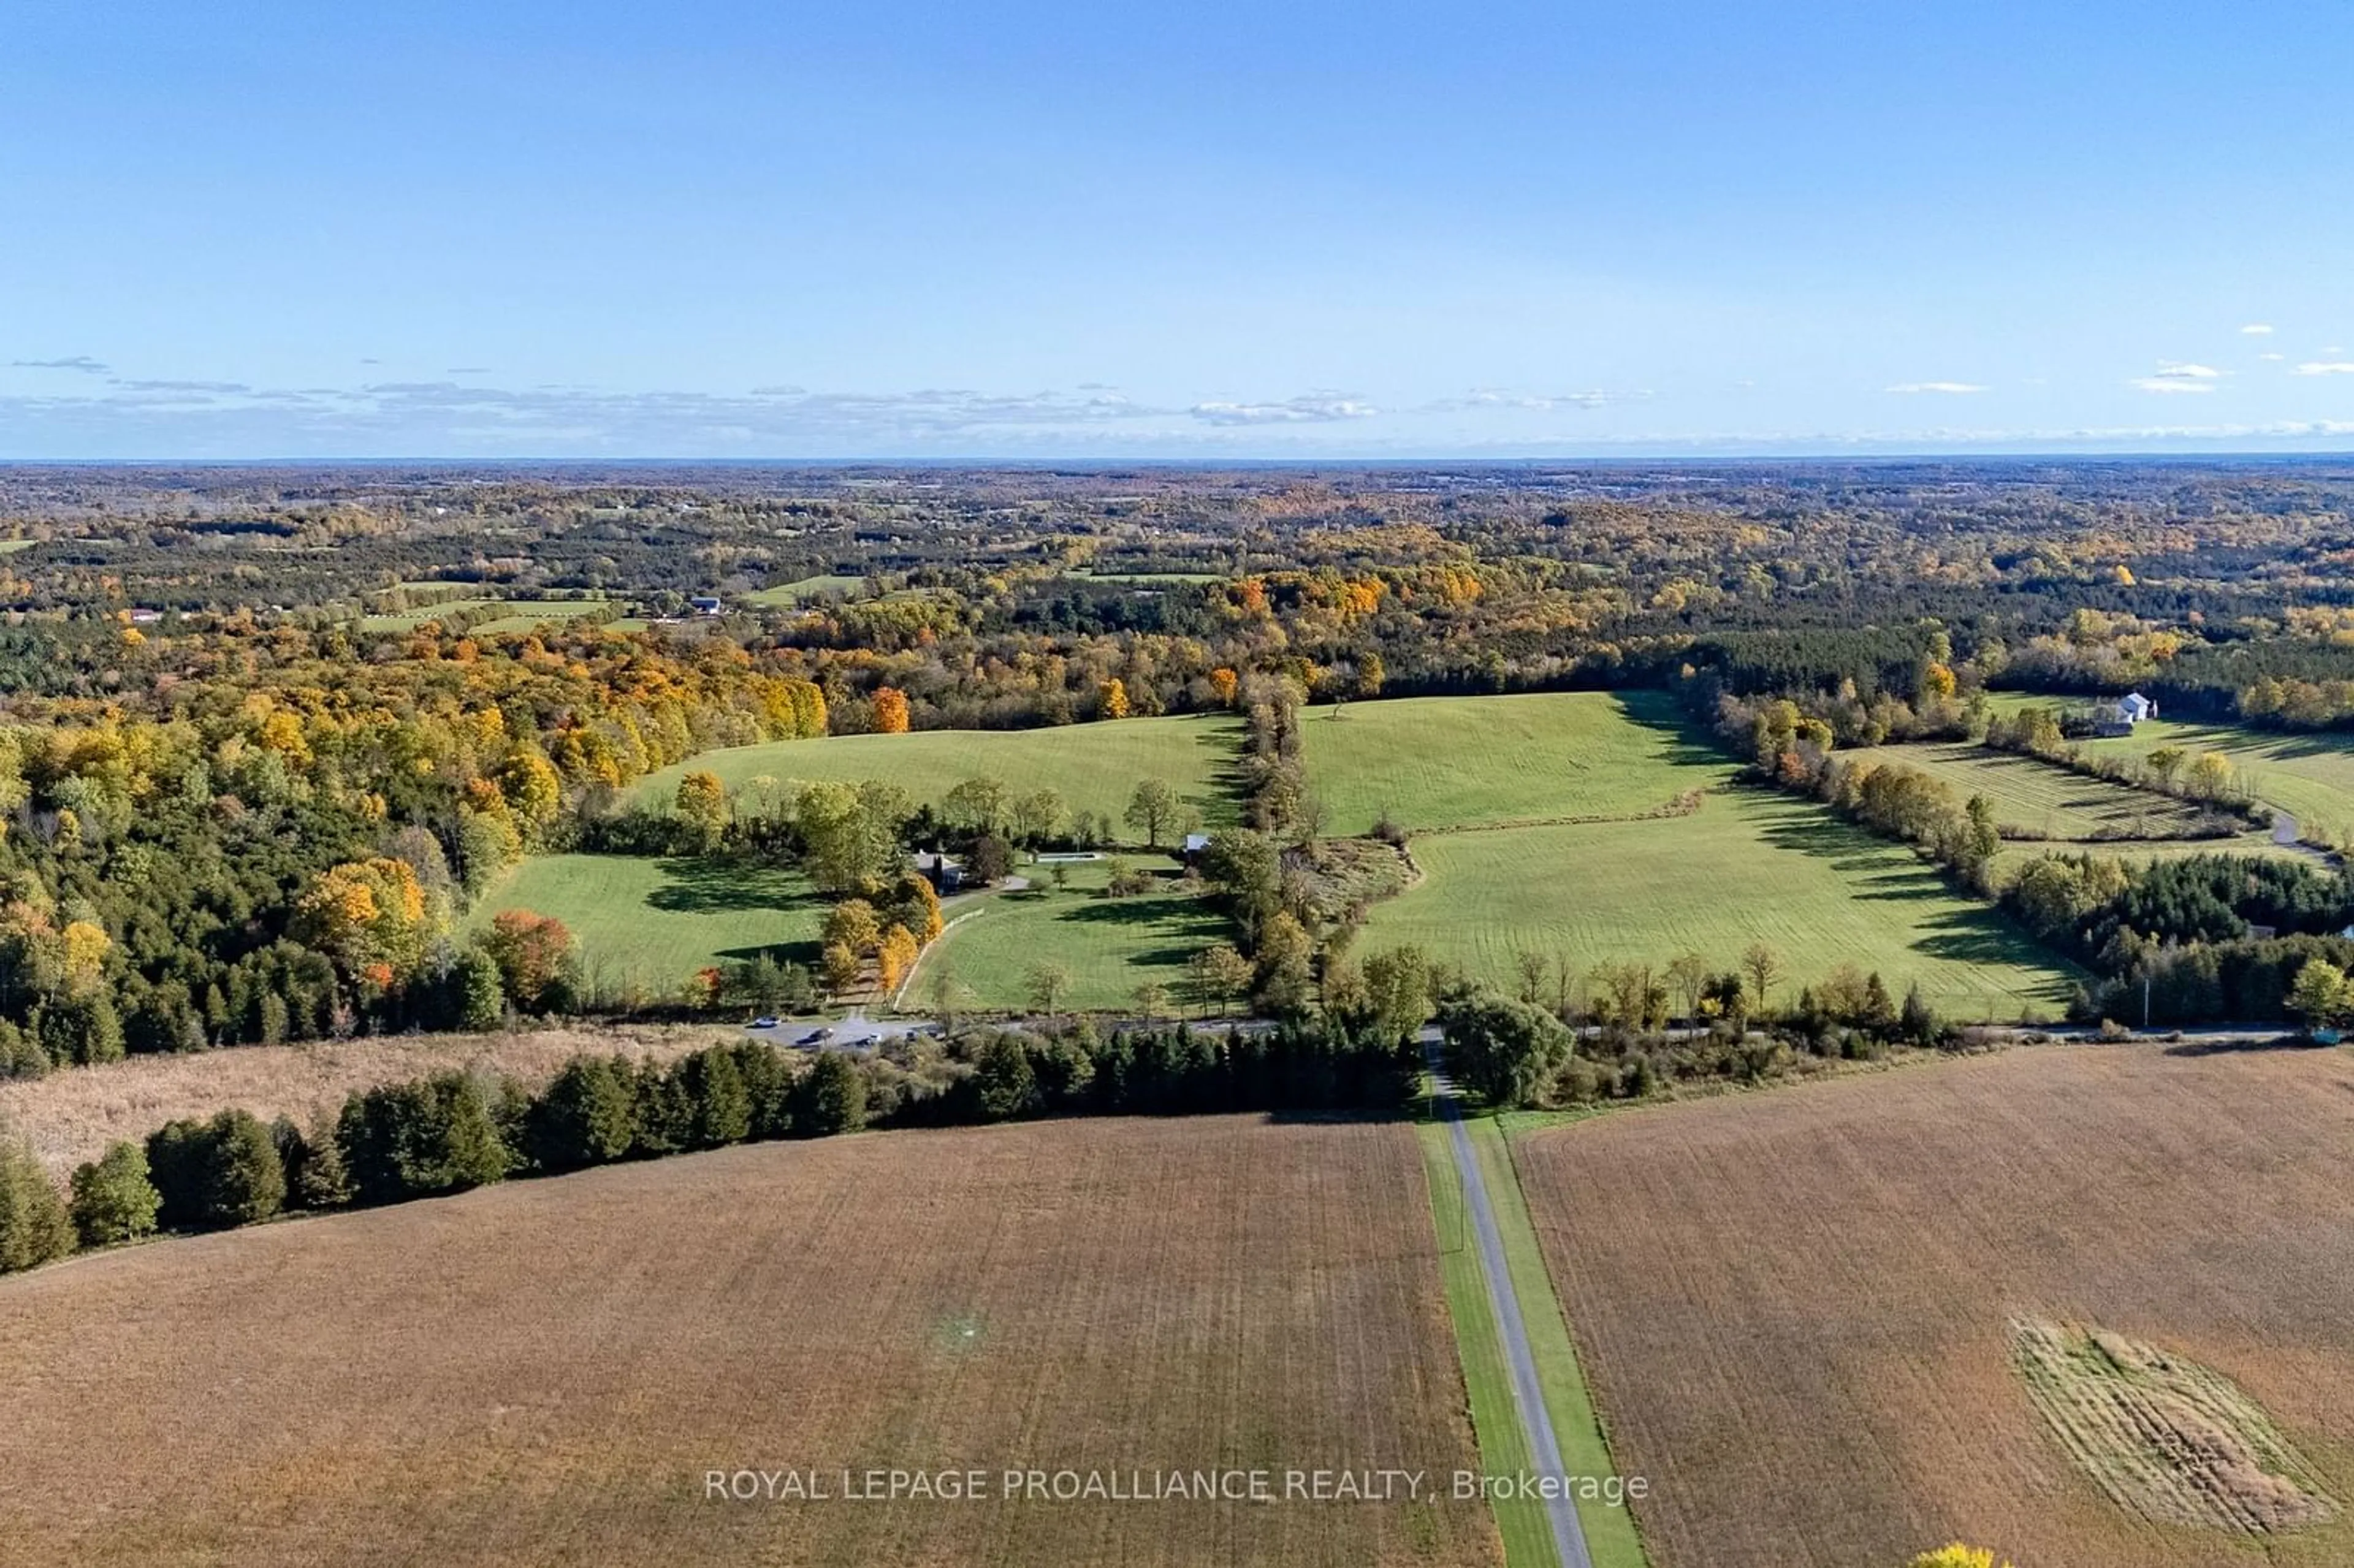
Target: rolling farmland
pixel 1851 1361
pixel 1110 945
pixel 1095 766
pixel 1748 866
pixel 653 922
pixel 1451 762
pixel 1116 1296
pixel 2041 797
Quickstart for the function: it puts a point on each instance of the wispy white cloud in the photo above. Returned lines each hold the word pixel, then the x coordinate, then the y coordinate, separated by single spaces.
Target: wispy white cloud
pixel 1315 408
pixel 2179 375
pixel 79 362
pixel 1953 388
pixel 2326 367
pixel 2257 329
pixel 2272 357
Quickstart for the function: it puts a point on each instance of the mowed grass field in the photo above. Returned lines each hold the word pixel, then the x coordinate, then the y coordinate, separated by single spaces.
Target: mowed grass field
pixel 1095 766
pixel 2309 776
pixel 1451 762
pixel 2039 796
pixel 653 922
pixel 785 596
pixel 1111 947
pixel 545 1372
pixel 1749 866
pixel 1794 1309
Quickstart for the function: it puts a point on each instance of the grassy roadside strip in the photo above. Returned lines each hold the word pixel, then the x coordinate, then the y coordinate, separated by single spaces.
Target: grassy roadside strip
pixel 1495 1424
pixel 1610 1534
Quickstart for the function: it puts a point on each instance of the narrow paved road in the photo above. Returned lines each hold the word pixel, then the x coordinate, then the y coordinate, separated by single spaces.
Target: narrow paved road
pixel 1528 1394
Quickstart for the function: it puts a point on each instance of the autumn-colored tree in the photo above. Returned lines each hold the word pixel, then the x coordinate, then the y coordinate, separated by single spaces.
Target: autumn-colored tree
pixel 84 951
pixel 702 807
pixel 1219 974
pixel 2210 776
pixel 1225 682
pixel 1957 1556
pixel 535 956
pixel 368 916
pixel 852 924
pixel 842 967
pixel 1112 700
pixel 895 957
pixel 533 791
pixel 890 711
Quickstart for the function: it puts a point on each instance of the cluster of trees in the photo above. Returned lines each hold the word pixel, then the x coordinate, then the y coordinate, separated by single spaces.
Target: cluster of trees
pixel 1515 1051
pixel 2198 939
pixel 456 1131
pixel 1793 751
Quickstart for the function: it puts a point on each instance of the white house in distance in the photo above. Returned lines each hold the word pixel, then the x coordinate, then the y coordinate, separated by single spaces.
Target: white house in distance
pixel 2120 717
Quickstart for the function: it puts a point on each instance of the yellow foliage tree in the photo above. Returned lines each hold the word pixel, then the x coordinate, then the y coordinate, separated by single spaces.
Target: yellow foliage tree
pixel 890 711
pixel 1957 1556
pixel 85 952
pixel 369 916
pixel 1115 698
pixel 896 957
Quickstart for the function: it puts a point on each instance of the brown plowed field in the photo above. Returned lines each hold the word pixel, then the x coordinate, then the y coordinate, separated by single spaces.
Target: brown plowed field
pixel 545 1372
pixel 1797 1310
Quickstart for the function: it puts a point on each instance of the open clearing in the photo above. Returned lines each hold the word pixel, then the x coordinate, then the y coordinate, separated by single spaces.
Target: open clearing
pixel 1748 866
pixel 71 1116
pixel 1452 762
pixel 653 922
pixel 1111 946
pixel 2309 775
pixel 2041 797
pixel 1095 766
pixel 1798 1311
pixel 1112 1295
pixel 785 596
pixel 521 614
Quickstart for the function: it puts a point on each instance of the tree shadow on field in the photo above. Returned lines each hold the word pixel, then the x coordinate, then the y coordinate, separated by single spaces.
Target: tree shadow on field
pixel 804 953
pixel 712 886
pixel 1975 937
pixel 2285 1041
pixel 1656 712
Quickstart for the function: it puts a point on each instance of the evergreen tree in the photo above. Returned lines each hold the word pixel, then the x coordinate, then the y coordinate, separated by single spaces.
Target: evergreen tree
pixel 33 1225
pixel 114 1200
pixel 832 1097
pixel 586 1115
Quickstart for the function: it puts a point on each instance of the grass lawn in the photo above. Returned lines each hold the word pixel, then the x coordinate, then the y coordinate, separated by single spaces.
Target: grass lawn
pixel 1749 866
pixel 522 615
pixel 2310 775
pixel 656 922
pixel 784 596
pixel 1610 1535
pixel 1095 766
pixel 2042 797
pixel 1447 762
pixel 1111 946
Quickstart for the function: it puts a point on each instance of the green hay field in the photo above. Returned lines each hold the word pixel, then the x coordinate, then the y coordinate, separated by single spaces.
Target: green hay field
pixel 2310 775
pixel 1451 762
pixel 653 922
pixel 785 596
pixel 1111 946
pixel 1750 866
pixel 2039 796
pixel 1095 766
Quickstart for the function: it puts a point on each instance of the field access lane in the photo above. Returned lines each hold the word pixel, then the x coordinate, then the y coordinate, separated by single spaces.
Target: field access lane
pixel 1528 1395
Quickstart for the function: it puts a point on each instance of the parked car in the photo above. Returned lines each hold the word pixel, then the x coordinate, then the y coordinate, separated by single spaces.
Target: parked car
pixel 764 1023
pixel 817 1037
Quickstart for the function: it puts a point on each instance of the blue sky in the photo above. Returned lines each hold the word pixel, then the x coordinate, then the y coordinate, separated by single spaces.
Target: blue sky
pixel 1222 231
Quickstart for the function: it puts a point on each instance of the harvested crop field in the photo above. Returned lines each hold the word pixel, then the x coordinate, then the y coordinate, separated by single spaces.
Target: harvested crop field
pixel 545 1372
pixel 1825 1321
pixel 72 1115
